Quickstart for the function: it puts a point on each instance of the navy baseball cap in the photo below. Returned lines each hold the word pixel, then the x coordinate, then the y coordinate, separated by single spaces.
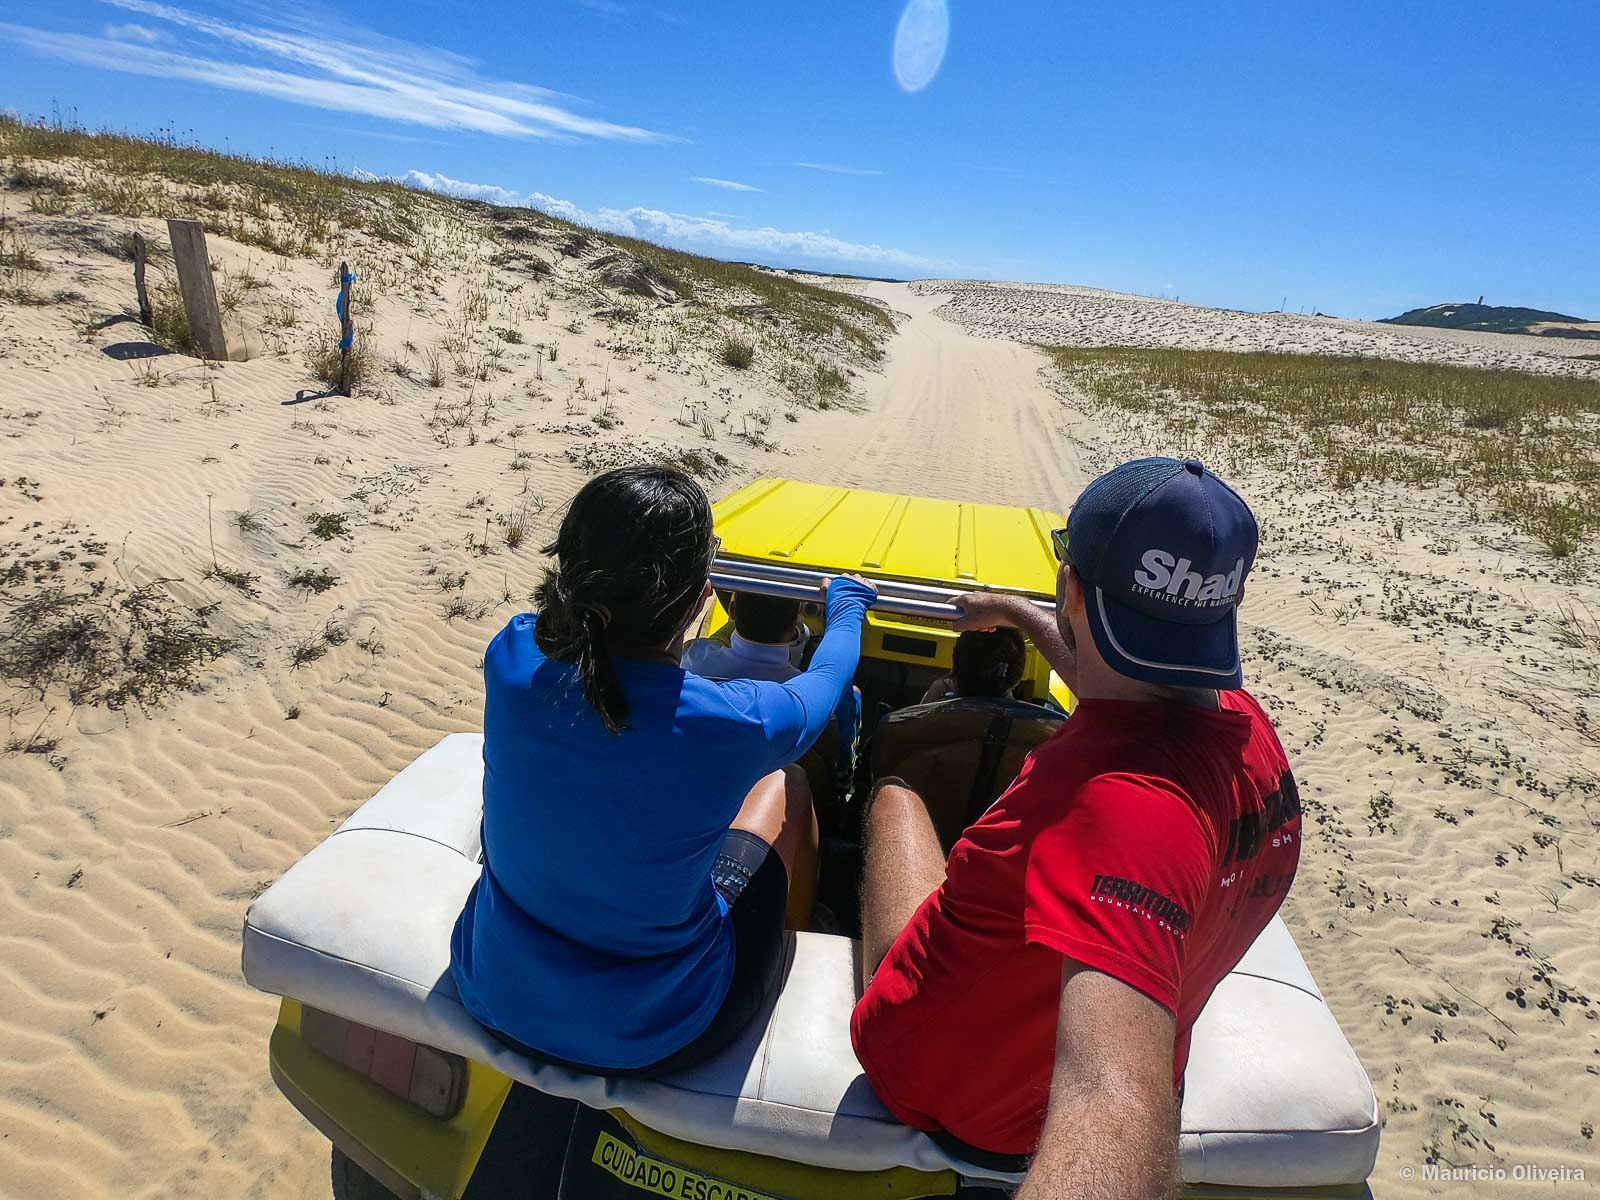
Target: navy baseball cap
pixel 1163 547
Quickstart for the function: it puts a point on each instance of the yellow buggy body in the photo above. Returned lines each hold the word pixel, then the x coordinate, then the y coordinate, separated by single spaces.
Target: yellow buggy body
pixel 920 552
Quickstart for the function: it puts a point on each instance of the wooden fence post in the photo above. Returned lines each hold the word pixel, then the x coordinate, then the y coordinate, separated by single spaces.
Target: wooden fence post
pixel 140 254
pixel 198 289
pixel 346 330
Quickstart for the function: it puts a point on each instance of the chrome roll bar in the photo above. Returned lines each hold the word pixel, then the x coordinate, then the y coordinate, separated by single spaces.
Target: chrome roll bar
pixel 895 597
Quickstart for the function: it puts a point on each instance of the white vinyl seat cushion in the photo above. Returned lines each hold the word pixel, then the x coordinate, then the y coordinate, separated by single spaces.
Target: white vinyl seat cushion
pixel 360 927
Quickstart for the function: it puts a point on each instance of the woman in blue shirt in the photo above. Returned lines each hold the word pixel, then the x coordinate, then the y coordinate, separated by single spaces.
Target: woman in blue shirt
pixel 644 831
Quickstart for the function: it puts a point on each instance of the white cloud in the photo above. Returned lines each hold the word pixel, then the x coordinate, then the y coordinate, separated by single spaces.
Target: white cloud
pixel 491 192
pixel 836 169
pixel 133 33
pixel 295 59
pixel 726 184
pixel 713 234
pixel 759 243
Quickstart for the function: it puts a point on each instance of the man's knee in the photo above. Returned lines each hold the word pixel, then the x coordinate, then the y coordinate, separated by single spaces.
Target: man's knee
pixel 893 802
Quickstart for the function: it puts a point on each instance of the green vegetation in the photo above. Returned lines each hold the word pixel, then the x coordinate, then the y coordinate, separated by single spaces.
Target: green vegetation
pixel 19 262
pixel 323 357
pixel 313 579
pixel 1491 318
pixel 328 526
pixel 314 645
pixel 243 582
pixel 738 352
pixel 296 209
pixel 169 320
pixel 812 310
pixel 285 208
pixel 105 646
pixel 1529 445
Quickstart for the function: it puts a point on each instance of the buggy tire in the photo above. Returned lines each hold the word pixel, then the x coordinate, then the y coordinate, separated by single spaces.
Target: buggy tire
pixel 350 1182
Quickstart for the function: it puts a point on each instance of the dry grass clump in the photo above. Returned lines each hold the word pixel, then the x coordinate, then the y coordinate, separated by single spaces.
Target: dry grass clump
pixel 112 647
pixel 285 208
pixel 241 581
pixel 323 357
pixel 517 524
pixel 738 351
pixel 19 262
pixel 330 525
pixel 169 320
pixel 311 647
pixel 740 288
pixel 315 580
pixel 696 461
pixel 1527 444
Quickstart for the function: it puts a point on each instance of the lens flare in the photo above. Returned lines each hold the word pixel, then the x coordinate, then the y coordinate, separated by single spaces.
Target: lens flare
pixel 919 43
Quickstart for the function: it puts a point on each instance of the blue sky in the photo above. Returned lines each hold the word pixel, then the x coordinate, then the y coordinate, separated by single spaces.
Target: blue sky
pixel 1358 158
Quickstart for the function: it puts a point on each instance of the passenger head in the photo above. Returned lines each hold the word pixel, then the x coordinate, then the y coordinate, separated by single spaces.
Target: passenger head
pixel 1152 573
pixel 633 557
pixel 766 619
pixel 988 663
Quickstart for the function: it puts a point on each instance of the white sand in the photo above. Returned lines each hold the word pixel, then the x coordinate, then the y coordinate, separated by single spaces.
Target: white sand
pixel 132 1056
pixel 1051 314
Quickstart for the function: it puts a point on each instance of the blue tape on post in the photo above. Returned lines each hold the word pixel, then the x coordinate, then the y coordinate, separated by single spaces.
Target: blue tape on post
pixel 338 307
pixel 338 303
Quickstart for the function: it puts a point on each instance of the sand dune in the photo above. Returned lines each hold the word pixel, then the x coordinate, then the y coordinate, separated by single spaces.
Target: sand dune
pixel 132 1057
pixel 1057 314
pixel 1444 735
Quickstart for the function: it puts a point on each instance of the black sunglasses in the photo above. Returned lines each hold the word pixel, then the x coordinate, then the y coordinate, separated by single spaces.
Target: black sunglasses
pixel 1058 539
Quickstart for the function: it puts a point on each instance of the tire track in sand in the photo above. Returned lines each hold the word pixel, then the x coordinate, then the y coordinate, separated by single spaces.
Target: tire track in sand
pixel 954 416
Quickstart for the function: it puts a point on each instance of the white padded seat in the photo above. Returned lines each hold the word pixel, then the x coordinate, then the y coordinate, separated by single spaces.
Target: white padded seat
pixel 360 927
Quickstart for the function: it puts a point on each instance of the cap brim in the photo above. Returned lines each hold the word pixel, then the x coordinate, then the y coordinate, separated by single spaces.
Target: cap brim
pixel 1164 652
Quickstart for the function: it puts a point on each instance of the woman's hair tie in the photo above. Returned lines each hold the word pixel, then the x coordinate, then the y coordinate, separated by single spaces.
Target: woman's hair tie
pixel 599 611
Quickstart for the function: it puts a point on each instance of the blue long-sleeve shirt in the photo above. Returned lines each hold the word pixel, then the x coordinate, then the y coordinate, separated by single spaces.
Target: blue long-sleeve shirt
pixel 594 934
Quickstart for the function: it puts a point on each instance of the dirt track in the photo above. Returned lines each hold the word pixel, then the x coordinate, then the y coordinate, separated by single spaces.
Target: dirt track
pixel 956 416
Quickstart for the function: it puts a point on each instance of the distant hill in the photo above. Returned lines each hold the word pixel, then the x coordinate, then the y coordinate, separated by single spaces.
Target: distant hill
pixel 1491 318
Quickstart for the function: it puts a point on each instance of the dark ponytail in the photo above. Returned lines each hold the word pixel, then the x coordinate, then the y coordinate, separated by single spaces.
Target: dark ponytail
pixel 633 553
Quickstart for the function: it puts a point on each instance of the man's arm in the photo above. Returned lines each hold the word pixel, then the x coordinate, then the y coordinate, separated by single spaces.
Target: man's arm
pixel 1111 1132
pixel 990 610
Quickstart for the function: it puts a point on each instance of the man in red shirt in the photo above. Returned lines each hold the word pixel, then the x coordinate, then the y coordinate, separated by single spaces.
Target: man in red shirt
pixel 1034 993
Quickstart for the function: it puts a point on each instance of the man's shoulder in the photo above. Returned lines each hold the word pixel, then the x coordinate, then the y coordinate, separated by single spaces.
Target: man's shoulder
pixel 1263 733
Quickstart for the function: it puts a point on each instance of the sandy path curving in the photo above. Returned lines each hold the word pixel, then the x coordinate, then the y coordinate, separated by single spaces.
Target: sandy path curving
pixel 954 416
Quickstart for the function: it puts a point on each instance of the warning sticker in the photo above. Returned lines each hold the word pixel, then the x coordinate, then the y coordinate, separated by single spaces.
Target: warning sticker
pixel 664 1179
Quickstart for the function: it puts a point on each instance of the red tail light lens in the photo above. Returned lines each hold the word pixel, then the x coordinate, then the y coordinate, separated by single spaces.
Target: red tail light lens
pixel 420 1075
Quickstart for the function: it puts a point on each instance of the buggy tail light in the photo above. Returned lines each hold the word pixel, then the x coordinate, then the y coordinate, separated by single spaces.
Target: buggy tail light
pixel 429 1079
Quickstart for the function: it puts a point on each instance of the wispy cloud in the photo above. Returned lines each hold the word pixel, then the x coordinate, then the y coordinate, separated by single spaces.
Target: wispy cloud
pixel 294 59
pixel 133 33
pixel 726 184
pixel 719 236
pixel 710 234
pixel 382 135
pixel 836 169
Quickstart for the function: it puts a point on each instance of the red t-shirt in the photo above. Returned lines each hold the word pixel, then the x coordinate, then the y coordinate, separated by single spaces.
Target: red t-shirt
pixel 1151 842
